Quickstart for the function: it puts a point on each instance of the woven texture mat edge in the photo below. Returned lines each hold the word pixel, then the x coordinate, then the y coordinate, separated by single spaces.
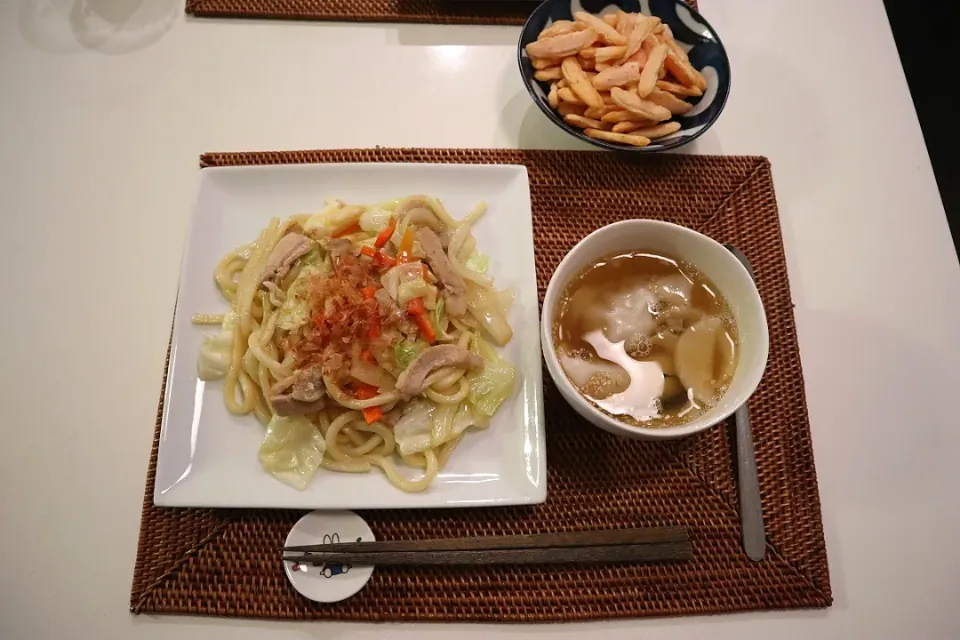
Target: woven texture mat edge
pixel 423 11
pixel 225 562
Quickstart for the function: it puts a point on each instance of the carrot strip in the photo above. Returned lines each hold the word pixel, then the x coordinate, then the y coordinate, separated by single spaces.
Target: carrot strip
pixel 368 292
pixel 353 228
pixel 364 391
pixel 387 261
pixel 370 252
pixel 406 245
pixel 419 312
pixel 429 334
pixel 372 414
pixel 415 307
pixel 384 236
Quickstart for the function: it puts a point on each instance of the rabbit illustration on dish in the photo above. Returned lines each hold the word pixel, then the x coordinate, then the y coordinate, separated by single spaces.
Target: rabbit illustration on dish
pixel 330 570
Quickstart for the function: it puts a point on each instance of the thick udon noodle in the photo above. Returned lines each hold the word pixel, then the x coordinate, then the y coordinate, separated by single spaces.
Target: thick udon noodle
pixel 258 361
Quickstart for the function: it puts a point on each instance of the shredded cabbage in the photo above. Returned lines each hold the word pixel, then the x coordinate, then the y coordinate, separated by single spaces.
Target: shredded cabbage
pixel 367 242
pixel 426 424
pixel 375 219
pixel 505 300
pixel 438 317
pixel 463 420
pixel 414 429
pixel 292 450
pixel 392 279
pixel 417 288
pixel 216 351
pixel 406 350
pixel 316 257
pixel 486 306
pixel 442 424
pixel 295 310
pixel 491 386
pixel 372 375
pixel 335 217
pixel 480 419
pixel 477 262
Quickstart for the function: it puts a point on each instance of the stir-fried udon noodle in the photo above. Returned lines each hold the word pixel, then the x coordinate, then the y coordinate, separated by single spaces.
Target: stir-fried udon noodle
pixel 361 337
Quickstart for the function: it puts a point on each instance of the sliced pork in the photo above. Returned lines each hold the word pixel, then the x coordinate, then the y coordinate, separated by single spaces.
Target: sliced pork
pixel 454 287
pixel 302 393
pixel 412 381
pixel 287 251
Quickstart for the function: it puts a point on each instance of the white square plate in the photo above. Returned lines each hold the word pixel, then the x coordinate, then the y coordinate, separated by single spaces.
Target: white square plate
pixel 208 457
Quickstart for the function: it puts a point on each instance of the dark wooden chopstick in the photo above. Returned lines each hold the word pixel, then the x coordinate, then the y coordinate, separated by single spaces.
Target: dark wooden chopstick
pixel 629 545
pixel 649 552
pixel 535 540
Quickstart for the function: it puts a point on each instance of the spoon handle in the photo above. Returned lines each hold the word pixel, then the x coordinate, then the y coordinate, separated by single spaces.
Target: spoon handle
pixel 751 511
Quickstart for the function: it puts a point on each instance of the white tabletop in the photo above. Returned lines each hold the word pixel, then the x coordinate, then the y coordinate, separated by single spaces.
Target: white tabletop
pixel 101 123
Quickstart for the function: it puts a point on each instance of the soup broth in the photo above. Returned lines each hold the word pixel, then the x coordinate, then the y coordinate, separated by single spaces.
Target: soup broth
pixel 646 338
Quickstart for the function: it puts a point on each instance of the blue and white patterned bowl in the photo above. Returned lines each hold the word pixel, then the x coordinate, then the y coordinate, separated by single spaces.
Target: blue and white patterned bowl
pixel 690 30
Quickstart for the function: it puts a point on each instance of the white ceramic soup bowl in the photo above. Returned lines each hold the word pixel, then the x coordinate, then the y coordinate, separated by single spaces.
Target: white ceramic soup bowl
pixel 714 261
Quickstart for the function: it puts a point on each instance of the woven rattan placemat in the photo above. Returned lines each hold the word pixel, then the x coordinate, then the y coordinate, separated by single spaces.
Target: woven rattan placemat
pixel 429 11
pixel 225 562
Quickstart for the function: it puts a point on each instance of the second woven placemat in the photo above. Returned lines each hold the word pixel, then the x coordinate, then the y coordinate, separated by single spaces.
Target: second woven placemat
pixel 428 11
pixel 226 562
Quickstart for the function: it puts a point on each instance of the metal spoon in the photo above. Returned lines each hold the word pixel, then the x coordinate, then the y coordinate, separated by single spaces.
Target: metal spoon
pixel 751 511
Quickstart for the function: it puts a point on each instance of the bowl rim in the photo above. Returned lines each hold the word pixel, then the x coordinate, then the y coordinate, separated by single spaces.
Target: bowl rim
pixel 576 399
pixel 610 146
